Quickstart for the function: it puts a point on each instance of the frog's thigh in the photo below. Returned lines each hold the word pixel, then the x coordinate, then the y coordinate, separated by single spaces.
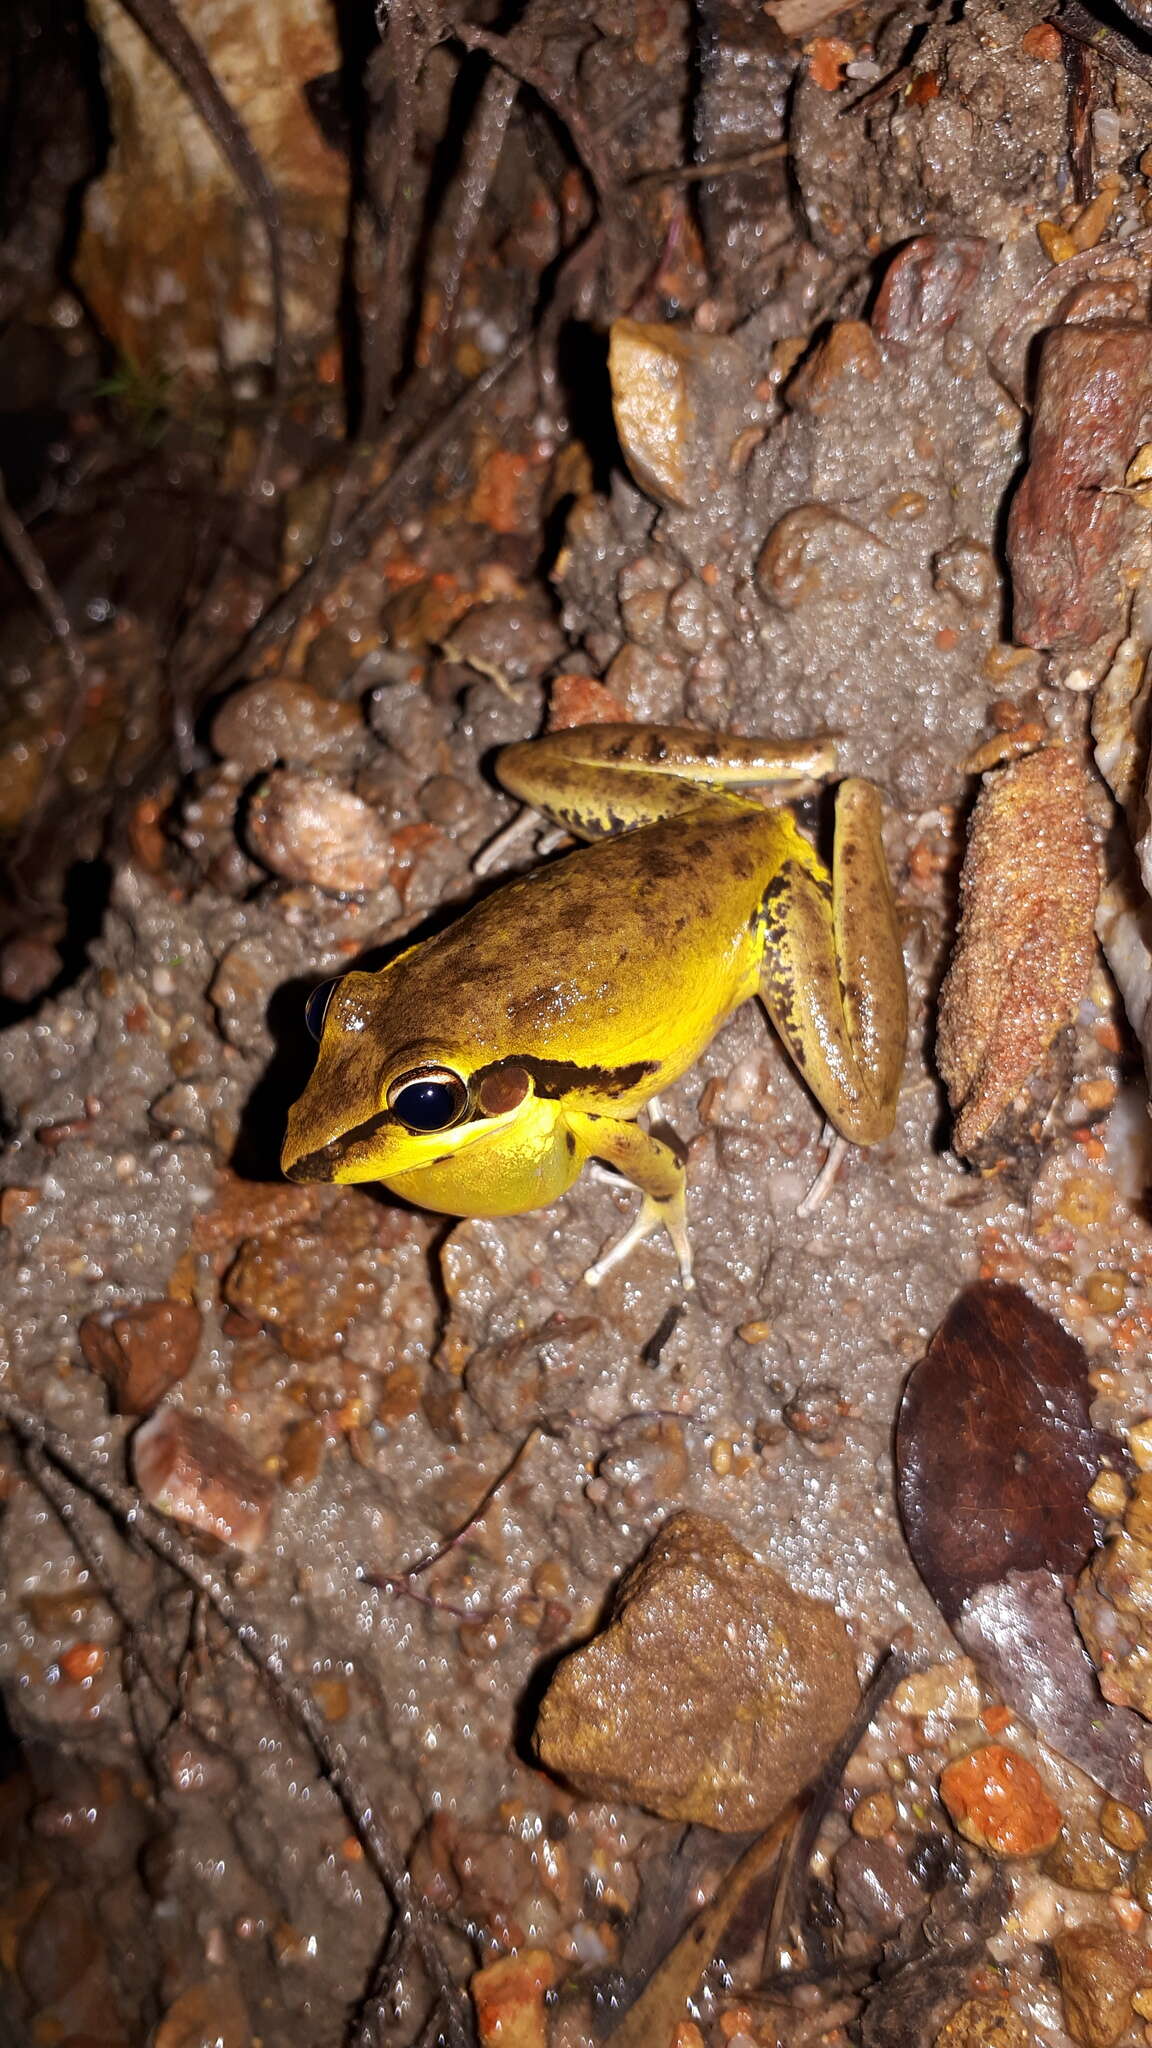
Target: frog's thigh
pixel 832 975
pixel 652 1167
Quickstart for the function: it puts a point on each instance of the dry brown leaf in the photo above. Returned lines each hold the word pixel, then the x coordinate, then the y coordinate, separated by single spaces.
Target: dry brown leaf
pixel 1025 946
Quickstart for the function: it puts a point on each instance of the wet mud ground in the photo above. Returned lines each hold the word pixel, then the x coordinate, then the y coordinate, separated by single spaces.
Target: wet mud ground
pixel 177 1865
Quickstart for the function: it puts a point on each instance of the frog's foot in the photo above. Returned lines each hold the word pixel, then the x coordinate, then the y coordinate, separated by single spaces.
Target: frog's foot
pixel 653 1215
pixel 838 1148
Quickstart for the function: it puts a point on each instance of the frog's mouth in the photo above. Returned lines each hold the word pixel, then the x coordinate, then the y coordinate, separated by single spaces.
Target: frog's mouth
pixel 325 1161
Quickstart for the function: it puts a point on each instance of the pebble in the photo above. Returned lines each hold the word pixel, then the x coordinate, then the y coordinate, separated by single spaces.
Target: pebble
pixel 212 2012
pixel 714 1693
pixel 1122 1825
pixel 274 721
pixel 978 2023
pixel 200 1475
pixel 306 828
pixel 509 1999
pixel 1081 1857
pixel 1100 1968
pixel 998 1800
pixel 142 1350
pixel 875 1887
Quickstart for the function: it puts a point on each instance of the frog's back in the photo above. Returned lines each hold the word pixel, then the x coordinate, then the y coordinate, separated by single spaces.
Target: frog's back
pixel 626 953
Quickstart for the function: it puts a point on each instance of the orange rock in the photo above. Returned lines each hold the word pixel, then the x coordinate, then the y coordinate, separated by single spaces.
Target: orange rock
pixel 141 1349
pixel 509 1999
pixel 581 700
pixel 81 1662
pixel 505 494
pixel 1043 42
pixel 827 56
pixel 998 1800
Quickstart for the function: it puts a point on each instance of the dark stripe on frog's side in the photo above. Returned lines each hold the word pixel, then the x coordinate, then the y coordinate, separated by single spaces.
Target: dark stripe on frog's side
pixel 556 1078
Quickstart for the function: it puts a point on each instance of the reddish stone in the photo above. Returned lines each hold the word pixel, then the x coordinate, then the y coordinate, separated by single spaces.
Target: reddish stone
pixel 141 1350
pixel 200 1475
pixel 925 287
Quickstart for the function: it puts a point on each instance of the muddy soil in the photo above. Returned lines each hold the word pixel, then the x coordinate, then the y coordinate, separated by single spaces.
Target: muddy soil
pixel 402 1387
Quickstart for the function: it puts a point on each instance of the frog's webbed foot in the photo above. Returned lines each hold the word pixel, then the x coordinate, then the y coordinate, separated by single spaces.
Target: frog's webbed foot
pixel 652 1217
pixel 650 1165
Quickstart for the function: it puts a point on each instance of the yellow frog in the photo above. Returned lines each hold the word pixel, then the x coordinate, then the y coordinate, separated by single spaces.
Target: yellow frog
pixel 481 1069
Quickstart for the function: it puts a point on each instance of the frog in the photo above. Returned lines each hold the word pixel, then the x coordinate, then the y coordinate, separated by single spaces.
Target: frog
pixel 481 1069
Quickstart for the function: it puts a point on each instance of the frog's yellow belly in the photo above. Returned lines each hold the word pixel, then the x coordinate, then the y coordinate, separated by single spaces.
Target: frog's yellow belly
pixel 501 1173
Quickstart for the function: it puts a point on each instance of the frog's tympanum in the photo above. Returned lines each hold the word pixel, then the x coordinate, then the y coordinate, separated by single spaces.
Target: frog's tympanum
pixel 479 1070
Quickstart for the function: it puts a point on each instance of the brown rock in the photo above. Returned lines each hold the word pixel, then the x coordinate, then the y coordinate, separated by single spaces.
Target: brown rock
pixel 1100 1968
pixel 1026 942
pixel 998 1800
pixel 713 1695
pixel 1081 1858
pixel 674 409
pixel 308 829
pixel 1113 1607
pixel 980 2024
pixel 815 550
pixel 925 286
pixel 846 355
pixel 1075 538
pixel 875 1887
pixel 249 1208
pixel 141 1350
pixel 277 721
pixel 200 1475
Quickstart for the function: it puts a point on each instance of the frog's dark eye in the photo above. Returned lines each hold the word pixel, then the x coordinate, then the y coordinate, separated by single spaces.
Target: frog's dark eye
pixel 429 1101
pixel 316 1008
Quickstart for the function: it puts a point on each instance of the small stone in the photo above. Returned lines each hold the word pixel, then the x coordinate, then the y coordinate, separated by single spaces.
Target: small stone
pixel 17 1202
pixel 874 1816
pixel 1083 1859
pixel 306 828
pixel 274 721
pixel 1100 1968
pixel 1108 1496
pixel 142 1350
pixel 581 700
pixel 1122 1825
pixel 200 1475
pixel 28 966
pixel 967 569
pixel 509 1999
pixel 303 1454
pixel 1140 1444
pixel 1138 1513
pixel 980 2024
pixel 305 1285
pixel 998 1800
pixel 675 396
pixel 815 1413
pixel 875 1887
pixel 713 1695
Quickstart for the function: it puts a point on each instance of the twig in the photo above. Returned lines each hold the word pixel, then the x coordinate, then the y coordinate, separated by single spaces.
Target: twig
pixel 883 91
pixel 401 1582
pixel 480 158
pixel 395 193
pixel 1074 20
pixel 1080 72
pixel 33 572
pixel 135 1516
pixel 721 167
pixel 160 23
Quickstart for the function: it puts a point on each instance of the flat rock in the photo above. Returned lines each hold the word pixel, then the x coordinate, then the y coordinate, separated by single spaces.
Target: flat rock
pixel 714 1694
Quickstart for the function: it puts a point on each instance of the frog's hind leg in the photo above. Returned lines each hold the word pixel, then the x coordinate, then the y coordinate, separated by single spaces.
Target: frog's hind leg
pixel 832 974
pixel 598 779
pixel 651 1166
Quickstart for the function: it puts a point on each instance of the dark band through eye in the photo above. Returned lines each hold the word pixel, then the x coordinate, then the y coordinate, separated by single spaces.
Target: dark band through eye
pixel 316 1008
pixel 429 1102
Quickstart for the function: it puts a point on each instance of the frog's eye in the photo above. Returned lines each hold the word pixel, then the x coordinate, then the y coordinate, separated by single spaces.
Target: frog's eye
pixel 316 1008
pixel 429 1101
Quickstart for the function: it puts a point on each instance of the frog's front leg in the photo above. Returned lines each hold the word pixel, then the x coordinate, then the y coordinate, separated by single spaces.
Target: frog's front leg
pixel 832 975
pixel 597 779
pixel 651 1166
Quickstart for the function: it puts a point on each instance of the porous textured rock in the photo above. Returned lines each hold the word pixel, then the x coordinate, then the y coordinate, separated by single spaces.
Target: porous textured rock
pixel 714 1694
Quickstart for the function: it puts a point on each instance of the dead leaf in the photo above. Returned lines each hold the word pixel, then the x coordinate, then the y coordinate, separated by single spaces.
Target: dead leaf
pixel 1026 942
pixel 994 1448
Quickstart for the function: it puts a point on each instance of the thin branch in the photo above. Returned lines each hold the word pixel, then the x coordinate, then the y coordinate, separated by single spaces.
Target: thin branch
pixel 721 167
pixel 33 572
pixel 480 158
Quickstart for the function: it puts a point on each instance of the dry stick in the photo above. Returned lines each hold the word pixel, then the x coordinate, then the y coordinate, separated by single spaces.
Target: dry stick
pixel 1080 73
pixel 396 210
pixel 128 1509
pixel 721 167
pixel 1074 20
pixel 481 156
pixel 160 23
